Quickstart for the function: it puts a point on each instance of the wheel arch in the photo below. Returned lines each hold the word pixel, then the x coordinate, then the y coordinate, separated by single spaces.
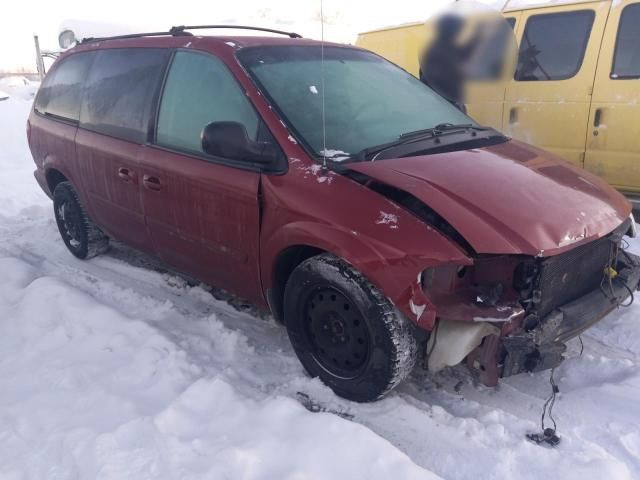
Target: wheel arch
pixel 53 177
pixel 292 244
pixel 284 265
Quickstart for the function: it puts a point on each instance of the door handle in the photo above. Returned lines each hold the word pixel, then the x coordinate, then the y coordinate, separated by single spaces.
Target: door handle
pixel 597 117
pixel 126 174
pixel 513 115
pixel 151 182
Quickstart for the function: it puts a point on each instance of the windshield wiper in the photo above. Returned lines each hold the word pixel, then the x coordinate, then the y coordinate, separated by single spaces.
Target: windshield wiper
pixel 443 127
pixel 417 135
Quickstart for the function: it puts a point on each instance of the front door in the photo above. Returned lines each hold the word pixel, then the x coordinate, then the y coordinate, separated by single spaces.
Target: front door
pixel 202 212
pixel 613 148
pixel 547 102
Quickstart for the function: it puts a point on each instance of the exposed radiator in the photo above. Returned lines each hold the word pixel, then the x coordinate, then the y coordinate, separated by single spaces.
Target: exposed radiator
pixel 570 275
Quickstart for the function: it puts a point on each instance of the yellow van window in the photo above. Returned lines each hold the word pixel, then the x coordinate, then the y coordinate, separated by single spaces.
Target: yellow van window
pixel 626 61
pixel 553 45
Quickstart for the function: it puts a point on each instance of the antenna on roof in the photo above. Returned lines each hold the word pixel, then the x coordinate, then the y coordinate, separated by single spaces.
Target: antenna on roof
pixel 324 129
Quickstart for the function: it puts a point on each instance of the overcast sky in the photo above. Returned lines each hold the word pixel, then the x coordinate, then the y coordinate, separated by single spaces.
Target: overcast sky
pixel 343 18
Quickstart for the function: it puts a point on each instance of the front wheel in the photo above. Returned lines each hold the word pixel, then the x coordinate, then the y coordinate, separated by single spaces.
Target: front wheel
pixel 345 331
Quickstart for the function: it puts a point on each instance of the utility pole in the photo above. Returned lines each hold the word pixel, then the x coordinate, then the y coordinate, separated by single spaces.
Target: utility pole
pixel 39 60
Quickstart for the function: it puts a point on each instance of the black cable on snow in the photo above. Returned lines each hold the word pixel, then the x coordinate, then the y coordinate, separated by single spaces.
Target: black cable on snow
pixel 548 437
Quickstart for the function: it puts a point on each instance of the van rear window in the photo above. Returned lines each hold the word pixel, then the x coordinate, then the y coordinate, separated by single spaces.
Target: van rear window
pixel 626 61
pixel 120 90
pixel 61 90
pixel 553 45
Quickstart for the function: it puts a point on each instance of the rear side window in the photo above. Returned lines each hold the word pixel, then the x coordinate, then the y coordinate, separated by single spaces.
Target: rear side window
pixel 61 90
pixel 200 90
pixel 120 90
pixel 626 61
pixel 553 45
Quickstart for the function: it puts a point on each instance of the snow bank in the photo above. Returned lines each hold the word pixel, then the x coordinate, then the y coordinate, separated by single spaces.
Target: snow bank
pixel 18 188
pixel 18 86
pixel 89 392
pixel 14 81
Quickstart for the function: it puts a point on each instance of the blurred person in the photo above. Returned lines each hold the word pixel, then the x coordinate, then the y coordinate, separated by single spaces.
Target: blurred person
pixel 442 66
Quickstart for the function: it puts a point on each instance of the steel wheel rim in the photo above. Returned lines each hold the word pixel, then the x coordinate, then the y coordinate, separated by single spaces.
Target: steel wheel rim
pixel 336 331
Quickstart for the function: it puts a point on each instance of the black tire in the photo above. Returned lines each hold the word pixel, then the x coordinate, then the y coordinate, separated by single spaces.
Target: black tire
pixel 82 237
pixel 345 331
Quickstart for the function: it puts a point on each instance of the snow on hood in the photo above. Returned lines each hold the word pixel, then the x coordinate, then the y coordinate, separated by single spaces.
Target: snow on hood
pixel 510 198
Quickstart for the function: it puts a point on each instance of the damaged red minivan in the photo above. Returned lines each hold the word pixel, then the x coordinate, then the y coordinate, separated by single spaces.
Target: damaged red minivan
pixel 380 224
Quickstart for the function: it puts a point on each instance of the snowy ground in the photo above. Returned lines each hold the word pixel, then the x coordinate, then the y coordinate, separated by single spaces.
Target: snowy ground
pixel 116 368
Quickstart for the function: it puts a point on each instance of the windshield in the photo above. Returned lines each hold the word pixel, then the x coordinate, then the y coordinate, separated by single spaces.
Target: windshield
pixel 368 100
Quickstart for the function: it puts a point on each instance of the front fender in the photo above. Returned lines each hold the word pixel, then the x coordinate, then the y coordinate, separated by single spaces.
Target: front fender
pixel 389 267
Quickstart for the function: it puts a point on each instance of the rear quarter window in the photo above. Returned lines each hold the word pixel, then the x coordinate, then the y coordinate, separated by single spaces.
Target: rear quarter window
pixel 120 90
pixel 553 45
pixel 626 60
pixel 61 90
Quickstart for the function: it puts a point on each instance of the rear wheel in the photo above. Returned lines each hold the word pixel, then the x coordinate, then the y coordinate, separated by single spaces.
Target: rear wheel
pixel 82 237
pixel 345 331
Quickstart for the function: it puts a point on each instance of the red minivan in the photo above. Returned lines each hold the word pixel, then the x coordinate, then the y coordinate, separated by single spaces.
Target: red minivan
pixel 379 223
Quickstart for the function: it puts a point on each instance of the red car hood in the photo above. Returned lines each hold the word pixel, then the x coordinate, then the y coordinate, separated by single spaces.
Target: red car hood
pixel 510 198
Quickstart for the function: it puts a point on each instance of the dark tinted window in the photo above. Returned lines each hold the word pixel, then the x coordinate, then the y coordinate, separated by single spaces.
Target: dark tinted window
pixel 61 90
pixel 553 45
pixel 626 63
pixel 200 90
pixel 120 90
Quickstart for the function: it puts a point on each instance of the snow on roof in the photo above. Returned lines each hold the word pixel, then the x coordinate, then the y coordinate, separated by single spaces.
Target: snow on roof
pixel 525 4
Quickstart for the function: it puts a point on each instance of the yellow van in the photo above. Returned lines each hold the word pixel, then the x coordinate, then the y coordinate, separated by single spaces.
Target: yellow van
pixel 580 99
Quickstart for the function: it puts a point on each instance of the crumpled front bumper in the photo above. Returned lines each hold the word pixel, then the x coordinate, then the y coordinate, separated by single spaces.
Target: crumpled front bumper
pixel 542 348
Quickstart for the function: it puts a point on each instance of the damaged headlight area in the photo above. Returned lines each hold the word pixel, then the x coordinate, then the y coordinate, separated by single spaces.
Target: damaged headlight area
pixel 512 314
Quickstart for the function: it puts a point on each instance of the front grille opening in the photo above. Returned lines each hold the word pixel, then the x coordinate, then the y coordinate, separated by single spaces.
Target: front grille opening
pixel 548 283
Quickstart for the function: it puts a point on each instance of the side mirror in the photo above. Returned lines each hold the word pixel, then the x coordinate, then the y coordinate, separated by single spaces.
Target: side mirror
pixel 230 140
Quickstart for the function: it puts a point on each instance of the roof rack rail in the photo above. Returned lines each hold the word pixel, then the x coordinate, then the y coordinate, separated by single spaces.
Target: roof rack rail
pixel 181 29
pixel 135 35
